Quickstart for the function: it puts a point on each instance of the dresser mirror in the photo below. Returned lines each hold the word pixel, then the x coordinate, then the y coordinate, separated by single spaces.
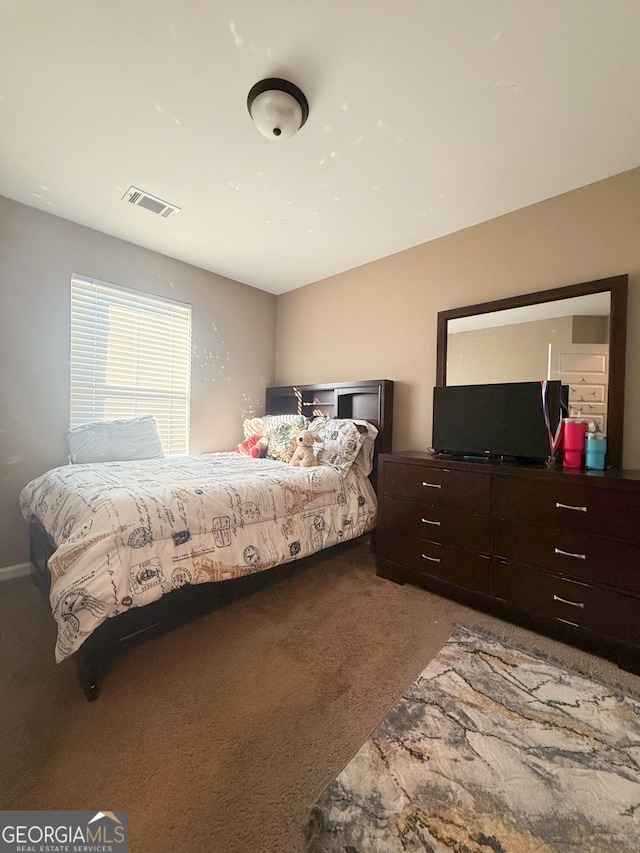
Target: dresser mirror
pixel 575 333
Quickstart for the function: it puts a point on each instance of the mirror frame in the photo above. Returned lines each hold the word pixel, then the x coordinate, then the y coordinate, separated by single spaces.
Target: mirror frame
pixel 617 287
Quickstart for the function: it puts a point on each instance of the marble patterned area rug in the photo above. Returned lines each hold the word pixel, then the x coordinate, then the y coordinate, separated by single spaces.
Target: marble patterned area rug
pixel 490 750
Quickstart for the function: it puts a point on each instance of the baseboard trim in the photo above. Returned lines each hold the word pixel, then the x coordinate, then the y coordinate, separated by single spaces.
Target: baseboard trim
pixel 18 571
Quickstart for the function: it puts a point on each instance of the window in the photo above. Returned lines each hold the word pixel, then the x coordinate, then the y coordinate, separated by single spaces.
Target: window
pixel 130 355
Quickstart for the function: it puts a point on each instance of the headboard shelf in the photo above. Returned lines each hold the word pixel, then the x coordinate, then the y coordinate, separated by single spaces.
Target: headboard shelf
pixel 365 400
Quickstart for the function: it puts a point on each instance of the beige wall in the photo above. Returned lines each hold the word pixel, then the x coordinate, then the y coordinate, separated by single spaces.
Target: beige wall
pixel 379 320
pixel 590 330
pixel 233 345
pixel 376 321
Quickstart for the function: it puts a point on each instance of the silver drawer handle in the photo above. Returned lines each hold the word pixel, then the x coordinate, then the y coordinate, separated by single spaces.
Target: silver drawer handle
pixel 569 554
pixel 576 508
pixel 432 485
pixel 566 601
pixel 431 559
pixel 426 521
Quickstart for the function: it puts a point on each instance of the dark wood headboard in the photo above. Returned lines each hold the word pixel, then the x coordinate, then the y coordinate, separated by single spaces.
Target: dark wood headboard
pixel 364 400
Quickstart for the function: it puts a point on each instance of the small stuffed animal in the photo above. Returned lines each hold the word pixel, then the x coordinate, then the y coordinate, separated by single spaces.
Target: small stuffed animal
pixel 255 445
pixel 303 455
pixel 254 426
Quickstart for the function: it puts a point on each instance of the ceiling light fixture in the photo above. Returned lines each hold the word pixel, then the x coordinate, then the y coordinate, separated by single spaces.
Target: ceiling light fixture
pixel 277 107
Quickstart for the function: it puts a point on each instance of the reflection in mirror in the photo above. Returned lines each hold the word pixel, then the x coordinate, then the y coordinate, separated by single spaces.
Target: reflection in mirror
pixel 494 342
pixel 567 339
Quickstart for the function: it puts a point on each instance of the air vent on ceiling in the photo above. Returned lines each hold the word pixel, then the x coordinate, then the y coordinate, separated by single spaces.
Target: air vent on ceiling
pixel 150 202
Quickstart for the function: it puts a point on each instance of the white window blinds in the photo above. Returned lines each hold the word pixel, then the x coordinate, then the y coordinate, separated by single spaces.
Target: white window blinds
pixel 130 355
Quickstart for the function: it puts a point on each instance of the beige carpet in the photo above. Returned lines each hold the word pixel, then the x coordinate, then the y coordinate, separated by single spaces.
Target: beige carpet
pixel 220 735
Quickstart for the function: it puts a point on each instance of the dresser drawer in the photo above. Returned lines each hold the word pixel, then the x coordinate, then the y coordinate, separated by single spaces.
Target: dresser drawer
pixel 569 552
pixel 438 486
pixel 607 613
pixel 611 512
pixel 455 565
pixel 445 524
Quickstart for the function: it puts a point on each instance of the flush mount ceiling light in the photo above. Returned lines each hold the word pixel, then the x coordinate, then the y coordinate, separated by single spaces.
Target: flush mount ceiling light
pixel 277 107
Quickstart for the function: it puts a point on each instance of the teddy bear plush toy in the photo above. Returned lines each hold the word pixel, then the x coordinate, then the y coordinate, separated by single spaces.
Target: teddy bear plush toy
pixel 303 455
pixel 254 445
pixel 256 441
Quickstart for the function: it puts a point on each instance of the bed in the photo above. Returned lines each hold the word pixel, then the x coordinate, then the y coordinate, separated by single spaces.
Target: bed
pixel 126 549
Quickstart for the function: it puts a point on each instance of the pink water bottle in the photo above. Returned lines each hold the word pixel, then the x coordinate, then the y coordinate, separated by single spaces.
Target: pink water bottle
pixel 573 442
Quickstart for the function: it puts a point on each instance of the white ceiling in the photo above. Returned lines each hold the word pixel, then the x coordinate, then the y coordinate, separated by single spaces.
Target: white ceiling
pixel 426 116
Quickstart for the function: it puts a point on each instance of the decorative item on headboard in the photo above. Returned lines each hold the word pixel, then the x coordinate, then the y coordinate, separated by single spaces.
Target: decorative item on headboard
pixel 304 405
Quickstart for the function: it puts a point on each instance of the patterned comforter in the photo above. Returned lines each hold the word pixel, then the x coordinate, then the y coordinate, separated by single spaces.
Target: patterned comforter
pixel 128 532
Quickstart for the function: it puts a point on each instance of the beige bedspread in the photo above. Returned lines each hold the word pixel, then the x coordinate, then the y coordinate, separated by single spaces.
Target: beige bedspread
pixel 128 532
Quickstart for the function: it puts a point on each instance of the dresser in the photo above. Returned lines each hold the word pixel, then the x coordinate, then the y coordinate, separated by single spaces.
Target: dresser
pixel 554 551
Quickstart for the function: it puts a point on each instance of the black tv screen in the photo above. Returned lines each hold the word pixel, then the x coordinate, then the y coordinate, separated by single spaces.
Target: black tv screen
pixel 502 420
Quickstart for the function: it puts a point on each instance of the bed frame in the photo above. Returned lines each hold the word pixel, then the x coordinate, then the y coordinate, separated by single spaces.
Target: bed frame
pixel 363 400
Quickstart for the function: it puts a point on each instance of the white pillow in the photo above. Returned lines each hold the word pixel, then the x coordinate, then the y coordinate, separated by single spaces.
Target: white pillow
pixel 342 440
pixel 364 459
pixel 115 441
pixel 267 423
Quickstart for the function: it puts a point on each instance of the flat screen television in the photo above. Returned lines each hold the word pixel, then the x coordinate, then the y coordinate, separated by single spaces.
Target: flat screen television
pixel 497 421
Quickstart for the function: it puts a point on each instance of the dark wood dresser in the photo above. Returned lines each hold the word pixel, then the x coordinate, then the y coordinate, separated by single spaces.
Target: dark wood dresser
pixel 554 551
